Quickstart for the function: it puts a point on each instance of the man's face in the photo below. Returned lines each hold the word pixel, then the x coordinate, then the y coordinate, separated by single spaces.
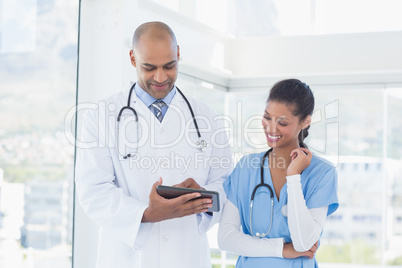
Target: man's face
pixel 156 62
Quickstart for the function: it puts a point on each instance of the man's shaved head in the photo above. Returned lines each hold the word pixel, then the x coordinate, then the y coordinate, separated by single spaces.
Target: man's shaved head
pixel 156 30
pixel 155 55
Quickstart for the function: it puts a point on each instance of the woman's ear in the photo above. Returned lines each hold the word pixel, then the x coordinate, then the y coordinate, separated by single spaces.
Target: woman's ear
pixel 306 122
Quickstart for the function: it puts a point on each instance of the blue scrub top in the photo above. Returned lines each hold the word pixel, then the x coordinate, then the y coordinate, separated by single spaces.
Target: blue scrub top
pixel 319 185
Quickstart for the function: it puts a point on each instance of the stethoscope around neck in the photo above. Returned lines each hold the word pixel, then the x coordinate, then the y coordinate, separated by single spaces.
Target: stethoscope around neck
pixel 262 184
pixel 200 144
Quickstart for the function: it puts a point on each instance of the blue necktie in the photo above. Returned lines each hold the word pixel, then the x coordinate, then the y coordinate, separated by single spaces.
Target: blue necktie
pixel 156 108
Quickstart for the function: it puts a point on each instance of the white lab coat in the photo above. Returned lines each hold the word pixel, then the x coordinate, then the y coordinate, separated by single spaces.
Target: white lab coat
pixel 114 192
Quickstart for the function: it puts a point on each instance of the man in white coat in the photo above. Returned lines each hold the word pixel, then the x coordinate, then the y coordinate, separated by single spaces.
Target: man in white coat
pixel 116 180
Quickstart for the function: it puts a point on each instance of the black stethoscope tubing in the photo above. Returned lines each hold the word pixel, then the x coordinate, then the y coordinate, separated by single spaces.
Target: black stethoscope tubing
pixel 191 111
pixel 128 106
pixel 262 184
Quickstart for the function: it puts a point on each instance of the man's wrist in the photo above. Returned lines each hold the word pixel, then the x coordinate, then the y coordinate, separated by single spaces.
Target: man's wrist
pixel 145 216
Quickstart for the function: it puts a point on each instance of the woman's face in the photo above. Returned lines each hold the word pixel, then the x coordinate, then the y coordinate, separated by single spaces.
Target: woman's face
pixel 281 127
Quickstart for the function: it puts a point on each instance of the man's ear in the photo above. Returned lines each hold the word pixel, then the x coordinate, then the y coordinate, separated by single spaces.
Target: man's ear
pixel 178 53
pixel 132 58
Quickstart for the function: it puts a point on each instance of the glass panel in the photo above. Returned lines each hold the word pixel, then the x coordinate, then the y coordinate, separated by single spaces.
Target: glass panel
pixel 394 164
pixel 360 120
pixel 209 93
pixel 213 13
pixel 272 17
pixel 360 166
pixel 246 112
pixel 394 120
pixel 38 51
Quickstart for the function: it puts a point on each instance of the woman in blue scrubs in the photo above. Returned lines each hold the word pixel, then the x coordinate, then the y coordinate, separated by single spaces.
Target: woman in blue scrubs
pixel 282 225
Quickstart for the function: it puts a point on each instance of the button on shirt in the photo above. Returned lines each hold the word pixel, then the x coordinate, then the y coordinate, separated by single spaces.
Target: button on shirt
pixel 148 99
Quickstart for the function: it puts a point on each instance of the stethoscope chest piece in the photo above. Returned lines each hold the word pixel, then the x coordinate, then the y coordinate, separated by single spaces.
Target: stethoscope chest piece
pixel 201 145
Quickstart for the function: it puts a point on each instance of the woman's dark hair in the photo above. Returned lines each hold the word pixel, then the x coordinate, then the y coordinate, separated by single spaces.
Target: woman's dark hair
pixel 294 93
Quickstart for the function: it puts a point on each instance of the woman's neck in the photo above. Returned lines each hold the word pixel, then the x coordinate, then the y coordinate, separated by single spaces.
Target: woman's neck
pixel 280 157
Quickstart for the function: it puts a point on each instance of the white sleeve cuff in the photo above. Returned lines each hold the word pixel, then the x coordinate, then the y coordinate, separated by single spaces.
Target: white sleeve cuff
pixel 142 235
pixel 293 178
pixel 204 222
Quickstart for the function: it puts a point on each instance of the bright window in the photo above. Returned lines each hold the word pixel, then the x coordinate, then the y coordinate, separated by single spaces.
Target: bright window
pixel 38 48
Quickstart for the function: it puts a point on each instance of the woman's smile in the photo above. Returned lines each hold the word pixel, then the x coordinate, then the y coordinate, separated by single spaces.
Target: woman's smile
pixel 273 138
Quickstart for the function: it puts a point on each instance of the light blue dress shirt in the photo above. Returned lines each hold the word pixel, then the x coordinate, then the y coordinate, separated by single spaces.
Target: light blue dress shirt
pixel 148 99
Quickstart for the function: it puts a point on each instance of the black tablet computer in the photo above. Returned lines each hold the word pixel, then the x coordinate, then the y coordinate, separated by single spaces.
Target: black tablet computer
pixel 172 192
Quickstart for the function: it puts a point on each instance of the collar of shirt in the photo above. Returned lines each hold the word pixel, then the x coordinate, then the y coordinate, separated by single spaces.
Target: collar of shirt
pixel 148 99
